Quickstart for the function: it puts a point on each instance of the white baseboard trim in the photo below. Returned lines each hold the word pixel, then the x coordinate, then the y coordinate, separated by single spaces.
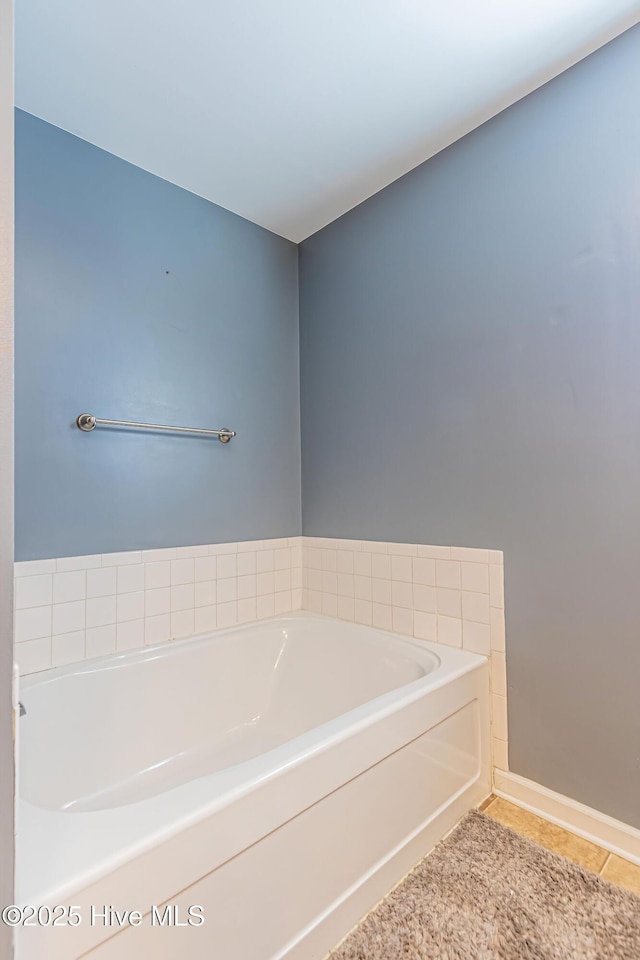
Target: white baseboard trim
pixel 613 835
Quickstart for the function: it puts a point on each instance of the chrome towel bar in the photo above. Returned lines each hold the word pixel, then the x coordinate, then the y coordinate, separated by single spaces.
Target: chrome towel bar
pixel 87 422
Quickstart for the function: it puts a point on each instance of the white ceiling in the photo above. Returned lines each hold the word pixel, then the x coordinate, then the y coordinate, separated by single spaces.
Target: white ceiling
pixel 291 112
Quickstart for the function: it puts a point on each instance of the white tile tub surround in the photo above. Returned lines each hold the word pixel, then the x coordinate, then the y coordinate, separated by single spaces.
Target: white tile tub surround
pixel 449 595
pixel 75 608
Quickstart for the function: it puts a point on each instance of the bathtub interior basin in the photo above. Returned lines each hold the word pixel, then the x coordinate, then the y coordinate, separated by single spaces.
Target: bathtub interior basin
pixel 243 693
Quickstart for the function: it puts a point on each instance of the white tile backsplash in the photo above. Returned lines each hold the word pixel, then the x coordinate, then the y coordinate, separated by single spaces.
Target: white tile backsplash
pixel 328 582
pixel 205 618
pixel 182 597
pixel 182 571
pixel 205 593
pixel 402 620
pixel 130 634
pixel 130 578
pixel 32 656
pixel 449 602
pixel 68 617
pixel 264 561
pixel 68 648
pixel 247 586
pixel 247 563
pixel 215 549
pixel 265 583
pixel 498 673
pixel 434 553
pixel 424 626
pixel 33 568
pixel 500 753
pixel 380 589
pixel 120 559
pixel 130 606
pixel 500 717
pixel 101 611
pixel 34 591
pixel 282 559
pixel 247 546
pixel 157 602
pixel 228 613
pixel 202 550
pixel 496 585
pixel 227 589
pixel 157 628
pixel 449 630
pixel 401 594
pixel 362 587
pixel 102 582
pixel 403 549
pixel 344 562
pixel 205 568
pixel 496 615
pixel 424 598
pixel 402 568
pixel 282 580
pixel 66 564
pixel 73 608
pixel 450 595
pixel 424 571
pixel 475 577
pixel 347 608
pixel 330 560
pixel 448 574
pixel 227 565
pixel 265 606
pixel 374 546
pixel 476 637
pixel 69 586
pixel 100 641
pixel 363 612
pixel 162 554
pixel 470 553
pixel 475 606
pixel 363 564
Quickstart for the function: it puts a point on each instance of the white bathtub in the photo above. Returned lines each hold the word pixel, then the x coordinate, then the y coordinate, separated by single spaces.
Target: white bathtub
pixel 282 776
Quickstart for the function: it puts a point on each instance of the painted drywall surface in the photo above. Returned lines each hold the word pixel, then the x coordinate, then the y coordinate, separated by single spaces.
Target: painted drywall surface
pixel 6 471
pixel 470 370
pixel 290 113
pixel 137 300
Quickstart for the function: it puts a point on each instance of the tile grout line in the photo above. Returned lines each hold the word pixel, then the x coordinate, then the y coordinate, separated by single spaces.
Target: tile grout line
pixel 608 854
pixel 606 861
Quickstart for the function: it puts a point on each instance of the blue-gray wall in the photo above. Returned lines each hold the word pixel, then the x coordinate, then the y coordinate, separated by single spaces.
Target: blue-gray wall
pixel 137 300
pixel 470 370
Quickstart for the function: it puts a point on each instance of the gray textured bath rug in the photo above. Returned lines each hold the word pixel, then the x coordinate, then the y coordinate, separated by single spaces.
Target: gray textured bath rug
pixel 486 893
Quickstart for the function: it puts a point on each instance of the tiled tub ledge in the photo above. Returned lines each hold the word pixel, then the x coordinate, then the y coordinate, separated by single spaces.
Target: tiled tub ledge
pixel 75 608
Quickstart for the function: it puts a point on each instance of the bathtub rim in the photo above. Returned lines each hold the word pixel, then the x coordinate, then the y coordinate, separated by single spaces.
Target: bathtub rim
pixel 170 648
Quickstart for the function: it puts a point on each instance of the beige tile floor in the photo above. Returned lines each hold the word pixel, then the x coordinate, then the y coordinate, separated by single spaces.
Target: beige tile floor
pixel 587 854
